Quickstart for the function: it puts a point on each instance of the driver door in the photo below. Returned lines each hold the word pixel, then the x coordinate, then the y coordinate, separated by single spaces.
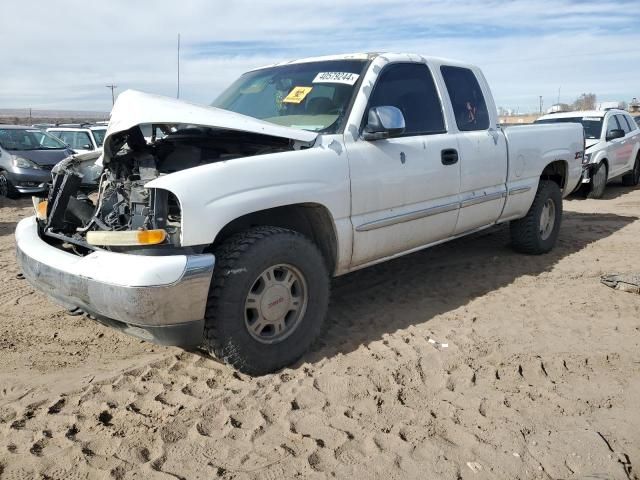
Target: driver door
pixel 404 189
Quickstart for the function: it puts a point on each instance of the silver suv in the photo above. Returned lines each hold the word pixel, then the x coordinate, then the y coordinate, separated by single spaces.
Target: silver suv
pixel 82 138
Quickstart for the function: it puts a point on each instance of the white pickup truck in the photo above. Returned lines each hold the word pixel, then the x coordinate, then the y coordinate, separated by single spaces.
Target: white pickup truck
pixel 612 140
pixel 225 232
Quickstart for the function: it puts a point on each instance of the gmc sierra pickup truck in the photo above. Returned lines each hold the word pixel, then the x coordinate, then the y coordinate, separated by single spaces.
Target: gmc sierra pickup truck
pixel 225 232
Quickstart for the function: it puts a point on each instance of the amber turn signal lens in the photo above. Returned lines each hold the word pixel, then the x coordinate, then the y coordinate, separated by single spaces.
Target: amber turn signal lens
pixel 126 238
pixel 40 207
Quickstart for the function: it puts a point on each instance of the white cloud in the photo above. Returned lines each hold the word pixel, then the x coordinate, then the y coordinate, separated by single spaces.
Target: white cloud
pixel 62 54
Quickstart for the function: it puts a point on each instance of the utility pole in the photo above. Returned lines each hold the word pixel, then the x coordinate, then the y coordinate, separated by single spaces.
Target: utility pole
pixel 113 98
pixel 178 94
pixel 540 104
pixel 30 119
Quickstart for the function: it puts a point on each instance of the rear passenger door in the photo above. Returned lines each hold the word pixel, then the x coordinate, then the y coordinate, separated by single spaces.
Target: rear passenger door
pixel 626 145
pixel 482 150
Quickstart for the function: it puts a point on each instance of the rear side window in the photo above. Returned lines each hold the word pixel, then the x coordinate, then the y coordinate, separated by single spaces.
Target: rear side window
pixel 466 97
pixel 630 122
pixel 410 87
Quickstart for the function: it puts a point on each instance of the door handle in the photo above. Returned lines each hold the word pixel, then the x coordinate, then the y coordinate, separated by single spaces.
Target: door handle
pixel 449 156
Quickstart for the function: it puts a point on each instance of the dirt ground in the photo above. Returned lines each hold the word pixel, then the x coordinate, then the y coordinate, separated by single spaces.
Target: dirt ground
pixel 539 378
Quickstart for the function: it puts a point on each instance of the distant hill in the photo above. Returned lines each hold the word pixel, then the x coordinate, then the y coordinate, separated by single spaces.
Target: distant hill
pixel 20 116
pixel 24 112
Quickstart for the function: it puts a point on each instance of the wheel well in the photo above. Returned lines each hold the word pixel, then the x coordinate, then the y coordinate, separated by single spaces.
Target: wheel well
pixel 557 172
pixel 312 220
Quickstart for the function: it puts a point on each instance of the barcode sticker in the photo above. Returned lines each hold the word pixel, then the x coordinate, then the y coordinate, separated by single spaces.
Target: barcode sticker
pixel 336 77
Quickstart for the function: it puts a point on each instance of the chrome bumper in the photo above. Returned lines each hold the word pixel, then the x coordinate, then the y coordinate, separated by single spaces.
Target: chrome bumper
pixel 147 295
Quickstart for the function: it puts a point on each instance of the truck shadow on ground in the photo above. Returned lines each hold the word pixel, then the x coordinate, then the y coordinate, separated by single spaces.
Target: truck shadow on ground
pixel 611 192
pixel 615 190
pixel 413 289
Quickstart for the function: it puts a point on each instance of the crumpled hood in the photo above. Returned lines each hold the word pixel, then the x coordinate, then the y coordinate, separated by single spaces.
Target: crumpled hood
pixel 135 108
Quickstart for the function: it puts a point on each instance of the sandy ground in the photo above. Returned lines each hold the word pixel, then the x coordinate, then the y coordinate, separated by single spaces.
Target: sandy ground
pixel 540 378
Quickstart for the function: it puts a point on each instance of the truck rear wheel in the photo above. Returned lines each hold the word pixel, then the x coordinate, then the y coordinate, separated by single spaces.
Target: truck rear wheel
pixel 632 178
pixel 537 232
pixel 268 298
pixel 598 181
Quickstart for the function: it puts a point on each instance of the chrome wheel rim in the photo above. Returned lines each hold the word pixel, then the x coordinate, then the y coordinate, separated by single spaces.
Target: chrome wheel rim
pixel 599 178
pixel 547 219
pixel 275 303
pixel 4 186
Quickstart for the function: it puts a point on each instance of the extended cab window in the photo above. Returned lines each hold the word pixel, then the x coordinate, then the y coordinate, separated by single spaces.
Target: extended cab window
pixel 466 97
pixel 410 87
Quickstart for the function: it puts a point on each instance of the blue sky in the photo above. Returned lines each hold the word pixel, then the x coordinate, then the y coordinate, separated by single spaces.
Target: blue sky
pixel 62 54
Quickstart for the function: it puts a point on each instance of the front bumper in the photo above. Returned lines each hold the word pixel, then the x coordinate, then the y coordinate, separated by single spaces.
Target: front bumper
pixel 28 180
pixel 158 298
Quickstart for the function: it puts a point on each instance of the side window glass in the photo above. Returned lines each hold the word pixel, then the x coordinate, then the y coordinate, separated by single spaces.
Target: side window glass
pixel 82 139
pixel 466 97
pixel 410 87
pixel 612 124
pixel 66 137
pixel 623 124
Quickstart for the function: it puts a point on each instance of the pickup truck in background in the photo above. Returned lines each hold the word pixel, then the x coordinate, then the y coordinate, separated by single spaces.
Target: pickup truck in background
pixel 612 141
pixel 225 232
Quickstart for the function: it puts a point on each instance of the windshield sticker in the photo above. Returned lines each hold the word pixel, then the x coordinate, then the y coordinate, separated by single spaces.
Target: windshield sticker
pixel 297 95
pixel 592 119
pixel 336 77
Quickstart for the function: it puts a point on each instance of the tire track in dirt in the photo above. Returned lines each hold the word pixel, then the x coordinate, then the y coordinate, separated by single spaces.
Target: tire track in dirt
pixel 541 363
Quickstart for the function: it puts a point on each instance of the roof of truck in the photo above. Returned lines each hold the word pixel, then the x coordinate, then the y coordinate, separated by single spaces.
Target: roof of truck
pixel 365 56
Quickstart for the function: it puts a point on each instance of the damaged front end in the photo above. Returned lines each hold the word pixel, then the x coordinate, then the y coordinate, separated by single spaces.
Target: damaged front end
pixel 106 204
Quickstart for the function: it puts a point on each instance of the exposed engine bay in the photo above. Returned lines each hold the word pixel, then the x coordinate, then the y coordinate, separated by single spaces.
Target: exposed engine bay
pixel 86 197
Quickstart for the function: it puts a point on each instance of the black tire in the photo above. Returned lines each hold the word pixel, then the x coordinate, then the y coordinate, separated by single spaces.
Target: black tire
pixel 527 235
pixel 6 188
pixel 597 187
pixel 632 178
pixel 241 262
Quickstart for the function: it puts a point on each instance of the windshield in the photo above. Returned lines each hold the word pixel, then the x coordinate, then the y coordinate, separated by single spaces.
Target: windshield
pixel 592 125
pixel 312 96
pixel 98 135
pixel 28 139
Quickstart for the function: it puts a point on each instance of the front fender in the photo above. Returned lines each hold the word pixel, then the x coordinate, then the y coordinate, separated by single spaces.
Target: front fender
pixel 213 195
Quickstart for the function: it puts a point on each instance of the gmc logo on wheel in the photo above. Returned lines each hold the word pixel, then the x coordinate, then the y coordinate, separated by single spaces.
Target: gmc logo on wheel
pixel 276 302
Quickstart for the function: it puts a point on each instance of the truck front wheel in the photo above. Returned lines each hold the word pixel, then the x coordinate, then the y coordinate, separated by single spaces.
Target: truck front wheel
pixel 268 298
pixel 537 232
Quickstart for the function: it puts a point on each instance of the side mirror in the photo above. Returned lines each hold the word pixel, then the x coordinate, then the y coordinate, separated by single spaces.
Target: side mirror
pixel 87 146
pixel 383 122
pixel 615 133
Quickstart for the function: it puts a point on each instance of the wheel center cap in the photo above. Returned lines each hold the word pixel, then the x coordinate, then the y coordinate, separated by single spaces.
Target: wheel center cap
pixel 275 302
